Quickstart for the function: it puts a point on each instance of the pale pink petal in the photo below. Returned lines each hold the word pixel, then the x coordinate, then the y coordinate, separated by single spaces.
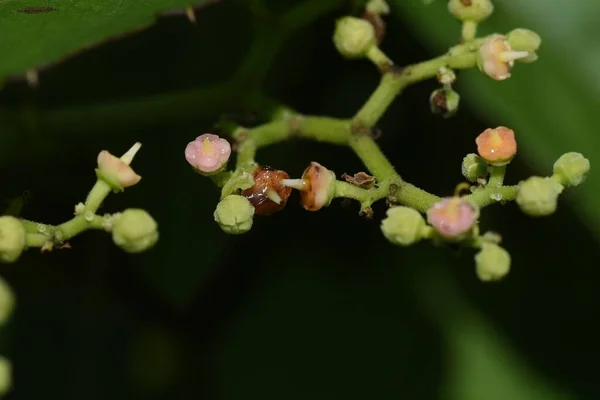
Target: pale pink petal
pixel 208 153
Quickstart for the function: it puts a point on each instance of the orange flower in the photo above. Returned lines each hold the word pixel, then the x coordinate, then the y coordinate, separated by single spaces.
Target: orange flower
pixel 497 146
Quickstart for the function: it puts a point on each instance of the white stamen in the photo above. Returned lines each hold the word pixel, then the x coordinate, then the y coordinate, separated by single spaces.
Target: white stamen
pixel 189 13
pixel 298 184
pixel 273 196
pixel 32 78
pixel 127 158
pixel 508 56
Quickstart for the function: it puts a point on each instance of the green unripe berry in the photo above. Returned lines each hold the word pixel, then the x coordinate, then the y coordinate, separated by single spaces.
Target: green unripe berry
pixel 524 40
pixel 474 167
pixel 12 239
pixel 537 196
pixel 571 169
pixel 234 214
pixel 471 10
pixel 354 37
pixel 404 226
pixel 492 262
pixel 5 375
pixel 135 231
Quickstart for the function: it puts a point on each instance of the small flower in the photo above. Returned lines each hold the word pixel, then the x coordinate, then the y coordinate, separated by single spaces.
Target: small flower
pixel 496 58
pixel 492 262
pixel 474 167
pixel 404 226
pixel 538 196
pixel 571 169
pixel 471 10
pixel 453 217
pixel 12 239
pixel 7 302
pixel 317 186
pixel 134 230
pixel 444 102
pixel 116 171
pixel 497 146
pixel 354 37
pixel 234 214
pixel 268 195
pixel 208 154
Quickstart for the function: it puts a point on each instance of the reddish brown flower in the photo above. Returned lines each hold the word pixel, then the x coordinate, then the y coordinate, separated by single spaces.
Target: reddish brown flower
pixel 317 187
pixel 268 195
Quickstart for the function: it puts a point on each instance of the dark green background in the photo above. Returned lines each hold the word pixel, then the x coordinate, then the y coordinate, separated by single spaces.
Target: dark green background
pixel 318 305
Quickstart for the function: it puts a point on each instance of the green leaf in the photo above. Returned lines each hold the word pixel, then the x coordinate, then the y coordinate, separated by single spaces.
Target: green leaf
pixel 551 104
pixel 43 32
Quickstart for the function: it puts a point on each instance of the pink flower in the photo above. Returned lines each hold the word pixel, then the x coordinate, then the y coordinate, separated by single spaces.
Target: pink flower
pixel 208 153
pixel 453 217
pixel 116 170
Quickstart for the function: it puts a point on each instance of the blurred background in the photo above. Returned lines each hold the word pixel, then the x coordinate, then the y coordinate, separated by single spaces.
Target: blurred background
pixel 306 305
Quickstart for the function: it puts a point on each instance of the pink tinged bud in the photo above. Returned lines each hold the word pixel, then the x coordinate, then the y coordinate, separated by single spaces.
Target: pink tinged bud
pixel 116 171
pixel 497 146
pixel 208 153
pixel 496 58
pixel 453 217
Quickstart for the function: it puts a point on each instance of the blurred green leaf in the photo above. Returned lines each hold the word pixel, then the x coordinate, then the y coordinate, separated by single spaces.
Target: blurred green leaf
pixel 551 104
pixel 45 31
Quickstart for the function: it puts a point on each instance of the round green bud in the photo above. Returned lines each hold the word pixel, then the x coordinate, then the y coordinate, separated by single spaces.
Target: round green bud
pixel 5 375
pixel 403 226
pixel 571 169
pixel 135 231
pixel 471 10
pixel 474 167
pixel 524 40
pixel 354 37
pixel 444 102
pixel 537 196
pixel 7 301
pixel 492 262
pixel 12 239
pixel 377 7
pixel 234 214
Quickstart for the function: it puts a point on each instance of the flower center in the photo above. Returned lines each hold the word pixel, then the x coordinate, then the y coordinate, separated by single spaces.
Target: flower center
pixel 207 148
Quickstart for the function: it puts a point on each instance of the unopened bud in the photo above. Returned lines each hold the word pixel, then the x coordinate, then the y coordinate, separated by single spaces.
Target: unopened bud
pixel 538 196
pixel 524 40
pixel 12 239
pixel 571 169
pixel 7 302
pixel 474 167
pixel 444 102
pixel 5 375
pixel 471 10
pixel 353 37
pixel 234 214
pixel 134 230
pixel 492 262
pixel 404 226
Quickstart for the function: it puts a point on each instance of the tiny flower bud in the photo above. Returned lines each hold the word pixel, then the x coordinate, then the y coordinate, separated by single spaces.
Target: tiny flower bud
pixel 268 195
pixel 471 10
pixel 474 167
pixel 444 102
pixel 571 169
pixel 492 262
pixel 497 146
pixel 317 187
pixel 353 37
pixel 116 171
pixel 453 217
pixel 134 230
pixel 5 375
pixel 12 239
pixel 446 76
pixel 379 7
pixel 234 214
pixel 524 40
pixel 496 58
pixel 537 196
pixel 404 226
pixel 7 301
pixel 208 154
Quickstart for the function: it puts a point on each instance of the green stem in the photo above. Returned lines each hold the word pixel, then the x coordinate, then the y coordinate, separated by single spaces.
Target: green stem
pixel 379 58
pixel 496 176
pixel 97 195
pixel 366 197
pixel 469 30
pixel 490 195
pixel 371 155
pixel 60 233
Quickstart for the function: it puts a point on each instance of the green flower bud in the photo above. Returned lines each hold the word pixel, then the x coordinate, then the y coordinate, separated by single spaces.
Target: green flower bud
pixel 571 169
pixel 378 7
pixel 474 167
pixel 538 196
pixel 492 262
pixel 7 302
pixel 234 214
pixel 354 37
pixel 444 102
pixel 524 40
pixel 12 239
pixel 404 226
pixel 135 231
pixel 471 10
pixel 5 375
